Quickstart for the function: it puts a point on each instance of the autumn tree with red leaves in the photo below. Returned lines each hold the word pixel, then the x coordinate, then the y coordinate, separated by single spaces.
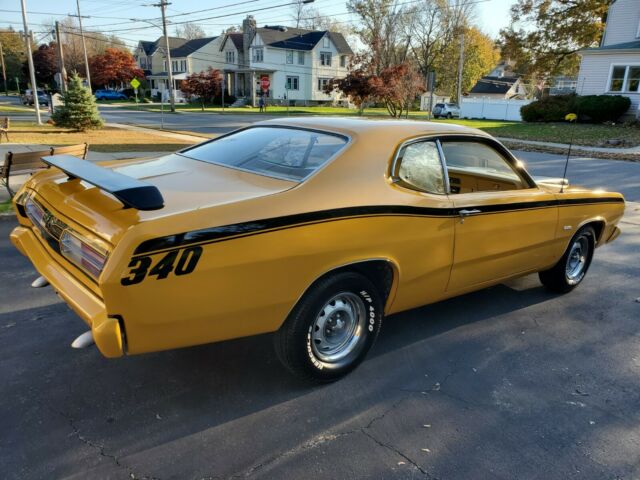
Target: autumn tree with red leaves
pixel 397 87
pixel 45 64
pixel 357 84
pixel 114 67
pixel 204 85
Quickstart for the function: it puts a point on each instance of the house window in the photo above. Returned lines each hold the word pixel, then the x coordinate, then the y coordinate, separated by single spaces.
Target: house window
pixel 325 59
pixel 258 54
pixel 625 78
pixel 325 42
pixel 143 62
pixel 230 56
pixel 293 83
pixel 290 57
pixel 164 65
pixel 633 79
pixel 343 61
pixel 322 82
pixel 300 58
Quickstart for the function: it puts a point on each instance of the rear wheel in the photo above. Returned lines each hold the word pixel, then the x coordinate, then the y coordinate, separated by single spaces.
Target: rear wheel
pixel 331 329
pixel 567 274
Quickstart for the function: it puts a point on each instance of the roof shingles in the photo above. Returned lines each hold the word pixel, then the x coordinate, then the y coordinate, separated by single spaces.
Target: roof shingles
pixel 301 39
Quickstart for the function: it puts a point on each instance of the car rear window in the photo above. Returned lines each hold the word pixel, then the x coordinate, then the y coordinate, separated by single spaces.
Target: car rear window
pixel 439 105
pixel 288 153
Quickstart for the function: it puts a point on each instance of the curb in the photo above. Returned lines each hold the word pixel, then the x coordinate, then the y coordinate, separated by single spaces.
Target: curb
pixel 513 144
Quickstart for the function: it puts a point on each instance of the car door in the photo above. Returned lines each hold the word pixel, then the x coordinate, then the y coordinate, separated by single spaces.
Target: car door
pixel 426 252
pixel 506 224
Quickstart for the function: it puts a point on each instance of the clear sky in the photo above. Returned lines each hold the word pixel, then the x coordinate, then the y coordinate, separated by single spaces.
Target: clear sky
pixel 492 15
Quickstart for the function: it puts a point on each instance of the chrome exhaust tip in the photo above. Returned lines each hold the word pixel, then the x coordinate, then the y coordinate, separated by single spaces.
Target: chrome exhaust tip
pixel 39 282
pixel 83 341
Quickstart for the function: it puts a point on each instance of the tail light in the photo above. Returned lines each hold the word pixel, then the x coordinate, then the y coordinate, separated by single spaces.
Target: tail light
pixel 83 253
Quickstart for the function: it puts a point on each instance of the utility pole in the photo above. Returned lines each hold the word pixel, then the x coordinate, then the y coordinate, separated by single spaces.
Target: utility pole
pixel 163 4
pixel 4 72
pixel 84 48
pixel 460 68
pixel 32 72
pixel 61 69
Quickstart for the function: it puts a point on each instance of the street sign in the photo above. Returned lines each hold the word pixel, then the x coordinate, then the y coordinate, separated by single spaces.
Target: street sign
pixel 265 83
pixel 135 83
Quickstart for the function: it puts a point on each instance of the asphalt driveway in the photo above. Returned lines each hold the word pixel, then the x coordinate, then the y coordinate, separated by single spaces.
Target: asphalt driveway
pixel 509 382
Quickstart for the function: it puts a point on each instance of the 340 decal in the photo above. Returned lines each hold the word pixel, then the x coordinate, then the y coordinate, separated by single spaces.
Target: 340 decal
pixel 178 262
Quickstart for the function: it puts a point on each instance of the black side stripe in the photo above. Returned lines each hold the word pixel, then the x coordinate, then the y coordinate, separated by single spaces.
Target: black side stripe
pixel 227 232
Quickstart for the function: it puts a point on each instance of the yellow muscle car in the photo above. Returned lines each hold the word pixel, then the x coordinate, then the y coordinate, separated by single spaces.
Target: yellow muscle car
pixel 312 228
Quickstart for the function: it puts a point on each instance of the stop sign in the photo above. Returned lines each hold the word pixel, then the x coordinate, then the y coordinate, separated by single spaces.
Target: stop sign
pixel 265 83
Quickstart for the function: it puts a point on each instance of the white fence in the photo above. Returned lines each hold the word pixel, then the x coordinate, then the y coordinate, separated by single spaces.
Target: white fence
pixel 492 108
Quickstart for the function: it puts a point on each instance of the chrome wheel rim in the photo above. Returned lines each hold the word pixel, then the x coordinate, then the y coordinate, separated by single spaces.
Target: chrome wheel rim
pixel 338 328
pixel 577 260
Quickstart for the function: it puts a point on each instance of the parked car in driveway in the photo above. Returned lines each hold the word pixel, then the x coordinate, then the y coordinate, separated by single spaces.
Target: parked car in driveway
pixel 446 110
pixel 109 95
pixel 27 98
pixel 312 228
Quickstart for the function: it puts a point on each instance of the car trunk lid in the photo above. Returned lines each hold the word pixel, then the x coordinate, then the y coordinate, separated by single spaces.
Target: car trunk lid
pixel 185 184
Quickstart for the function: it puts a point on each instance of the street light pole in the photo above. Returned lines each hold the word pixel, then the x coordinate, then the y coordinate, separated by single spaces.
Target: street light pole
pixel 163 4
pixel 84 48
pixel 32 72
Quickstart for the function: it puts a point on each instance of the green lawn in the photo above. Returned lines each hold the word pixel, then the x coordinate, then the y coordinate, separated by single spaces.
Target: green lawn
pixel 15 108
pixel 583 134
pixel 5 207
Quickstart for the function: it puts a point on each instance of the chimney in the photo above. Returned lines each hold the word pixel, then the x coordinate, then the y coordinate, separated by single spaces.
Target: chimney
pixel 248 32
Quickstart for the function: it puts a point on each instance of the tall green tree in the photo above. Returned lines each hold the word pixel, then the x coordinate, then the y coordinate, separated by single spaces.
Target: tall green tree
pixel 13 50
pixel 480 57
pixel 79 110
pixel 546 35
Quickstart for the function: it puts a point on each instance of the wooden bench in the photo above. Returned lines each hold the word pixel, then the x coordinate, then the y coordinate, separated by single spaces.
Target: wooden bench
pixel 4 128
pixel 30 162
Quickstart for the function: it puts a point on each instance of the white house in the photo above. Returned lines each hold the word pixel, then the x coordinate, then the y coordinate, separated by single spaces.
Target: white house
pixel 614 67
pixel 295 63
pixel 187 57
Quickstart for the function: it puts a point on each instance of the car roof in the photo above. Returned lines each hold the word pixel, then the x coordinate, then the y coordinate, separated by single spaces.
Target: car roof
pixel 389 130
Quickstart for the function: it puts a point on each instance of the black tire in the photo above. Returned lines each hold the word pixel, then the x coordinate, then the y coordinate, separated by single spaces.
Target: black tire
pixel 558 278
pixel 299 350
pixel 449 115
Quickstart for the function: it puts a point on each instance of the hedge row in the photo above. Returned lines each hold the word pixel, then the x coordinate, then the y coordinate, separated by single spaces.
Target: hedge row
pixel 589 108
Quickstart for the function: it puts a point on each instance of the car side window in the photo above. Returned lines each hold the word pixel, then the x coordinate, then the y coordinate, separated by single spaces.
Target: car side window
pixel 477 167
pixel 420 167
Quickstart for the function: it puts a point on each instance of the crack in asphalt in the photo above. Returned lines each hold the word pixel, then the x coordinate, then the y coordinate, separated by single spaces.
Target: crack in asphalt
pixel 326 438
pixel 100 448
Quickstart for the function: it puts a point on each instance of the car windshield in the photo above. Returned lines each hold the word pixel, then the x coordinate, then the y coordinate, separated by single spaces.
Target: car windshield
pixel 288 153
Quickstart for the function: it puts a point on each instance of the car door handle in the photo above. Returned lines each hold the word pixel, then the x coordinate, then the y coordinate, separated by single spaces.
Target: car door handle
pixel 464 212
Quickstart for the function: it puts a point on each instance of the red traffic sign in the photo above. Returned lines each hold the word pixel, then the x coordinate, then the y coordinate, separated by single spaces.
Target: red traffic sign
pixel 265 83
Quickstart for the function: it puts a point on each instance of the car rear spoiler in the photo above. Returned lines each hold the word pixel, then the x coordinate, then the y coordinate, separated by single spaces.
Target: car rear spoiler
pixel 130 191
